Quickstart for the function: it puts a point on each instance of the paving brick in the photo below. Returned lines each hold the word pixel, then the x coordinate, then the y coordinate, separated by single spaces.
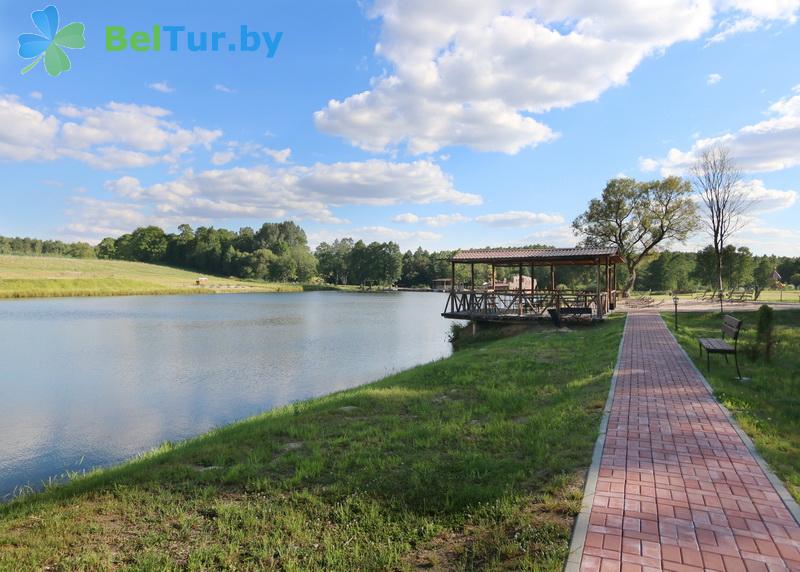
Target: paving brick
pixel 677 487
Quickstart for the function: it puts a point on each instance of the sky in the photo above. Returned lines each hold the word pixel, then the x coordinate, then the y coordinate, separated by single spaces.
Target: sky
pixel 447 124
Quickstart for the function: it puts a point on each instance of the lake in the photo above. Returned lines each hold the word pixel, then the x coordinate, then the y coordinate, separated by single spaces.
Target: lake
pixel 88 382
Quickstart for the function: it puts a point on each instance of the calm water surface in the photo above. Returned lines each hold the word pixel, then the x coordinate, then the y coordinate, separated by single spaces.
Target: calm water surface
pixel 93 381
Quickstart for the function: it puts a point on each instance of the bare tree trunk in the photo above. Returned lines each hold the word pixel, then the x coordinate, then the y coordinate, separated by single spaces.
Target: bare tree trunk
pixel 719 278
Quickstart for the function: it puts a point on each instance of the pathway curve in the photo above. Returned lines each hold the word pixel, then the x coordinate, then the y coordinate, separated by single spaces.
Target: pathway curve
pixel 674 485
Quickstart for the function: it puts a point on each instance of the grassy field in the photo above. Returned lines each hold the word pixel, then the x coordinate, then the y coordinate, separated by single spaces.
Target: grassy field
pixel 765 296
pixel 472 462
pixel 768 406
pixel 40 276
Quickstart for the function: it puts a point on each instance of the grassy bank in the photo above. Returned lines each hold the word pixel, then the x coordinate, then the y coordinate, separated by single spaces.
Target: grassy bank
pixel 786 296
pixel 472 462
pixel 767 406
pixel 41 277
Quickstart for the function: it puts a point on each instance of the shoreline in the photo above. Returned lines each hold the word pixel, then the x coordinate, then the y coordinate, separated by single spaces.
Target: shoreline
pixel 364 459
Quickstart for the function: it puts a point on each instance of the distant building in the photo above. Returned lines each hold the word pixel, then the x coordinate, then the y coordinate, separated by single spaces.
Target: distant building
pixel 512 283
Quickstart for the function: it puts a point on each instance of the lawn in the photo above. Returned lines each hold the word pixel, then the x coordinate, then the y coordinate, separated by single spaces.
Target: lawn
pixel 476 461
pixel 765 296
pixel 768 406
pixel 42 276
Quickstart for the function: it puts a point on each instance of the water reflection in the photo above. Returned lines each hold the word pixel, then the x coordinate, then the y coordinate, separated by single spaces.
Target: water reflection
pixel 87 382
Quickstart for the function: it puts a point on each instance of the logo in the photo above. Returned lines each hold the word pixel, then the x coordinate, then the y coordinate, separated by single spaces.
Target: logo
pixel 48 46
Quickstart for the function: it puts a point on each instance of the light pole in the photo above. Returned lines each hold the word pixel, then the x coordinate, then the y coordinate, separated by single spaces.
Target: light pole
pixel 675 301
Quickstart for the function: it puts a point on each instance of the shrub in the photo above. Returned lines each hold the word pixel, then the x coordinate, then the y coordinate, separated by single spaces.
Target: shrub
pixel 765 330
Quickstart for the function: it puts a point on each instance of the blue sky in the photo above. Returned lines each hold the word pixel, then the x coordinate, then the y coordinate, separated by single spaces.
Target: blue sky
pixel 443 125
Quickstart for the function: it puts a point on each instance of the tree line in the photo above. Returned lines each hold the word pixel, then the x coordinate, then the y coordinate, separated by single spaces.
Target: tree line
pixel 280 252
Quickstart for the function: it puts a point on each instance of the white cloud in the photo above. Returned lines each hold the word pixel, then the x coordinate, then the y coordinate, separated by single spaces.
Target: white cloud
pixel 769 145
pixel 304 192
pixel 222 157
pixel 734 26
pixel 476 72
pixel 713 78
pixel 279 155
pixel 647 165
pixel 161 86
pixel 26 134
pixel 763 199
pixel 382 233
pixel 224 88
pixel 436 221
pixel 472 73
pixel 36 95
pixel 406 239
pixel 763 238
pixel 751 15
pixel 559 236
pixel 127 186
pixel 409 218
pixel 113 136
pixel 519 219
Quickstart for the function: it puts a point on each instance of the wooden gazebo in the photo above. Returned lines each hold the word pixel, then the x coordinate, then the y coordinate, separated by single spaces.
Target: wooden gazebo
pixel 486 303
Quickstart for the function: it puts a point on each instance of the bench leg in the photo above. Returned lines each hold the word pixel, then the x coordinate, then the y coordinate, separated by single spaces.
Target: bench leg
pixel 726 358
pixel 736 359
pixel 708 362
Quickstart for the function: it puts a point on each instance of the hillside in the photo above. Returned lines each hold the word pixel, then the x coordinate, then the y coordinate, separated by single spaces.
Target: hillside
pixel 40 276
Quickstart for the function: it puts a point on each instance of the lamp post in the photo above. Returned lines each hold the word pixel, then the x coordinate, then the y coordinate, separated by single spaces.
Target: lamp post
pixel 675 301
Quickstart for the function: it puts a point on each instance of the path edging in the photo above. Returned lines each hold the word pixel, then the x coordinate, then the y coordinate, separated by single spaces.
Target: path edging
pixel 581 527
pixel 777 484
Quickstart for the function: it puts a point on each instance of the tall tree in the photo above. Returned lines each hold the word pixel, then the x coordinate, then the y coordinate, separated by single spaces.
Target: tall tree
pixel 716 179
pixel 636 217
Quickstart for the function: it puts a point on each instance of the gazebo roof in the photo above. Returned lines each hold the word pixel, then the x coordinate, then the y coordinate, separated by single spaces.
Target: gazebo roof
pixel 554 256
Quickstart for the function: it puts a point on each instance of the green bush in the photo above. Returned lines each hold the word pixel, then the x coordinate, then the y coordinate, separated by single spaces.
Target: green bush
pixel 765 330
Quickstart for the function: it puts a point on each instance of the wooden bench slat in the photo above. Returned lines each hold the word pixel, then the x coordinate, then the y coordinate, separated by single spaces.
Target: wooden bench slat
pixel 731 328
pixel 716 345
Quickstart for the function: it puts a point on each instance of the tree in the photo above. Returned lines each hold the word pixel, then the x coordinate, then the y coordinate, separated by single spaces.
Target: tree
pixel 148 244
pixel 669 272
pixel 334 260
pixel 636 217
pixel 762 275
pixel 739 265
pixel 716 180
pixel 107 248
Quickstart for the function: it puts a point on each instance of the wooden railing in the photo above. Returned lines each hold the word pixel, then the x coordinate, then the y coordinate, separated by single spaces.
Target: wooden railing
pixel 477 303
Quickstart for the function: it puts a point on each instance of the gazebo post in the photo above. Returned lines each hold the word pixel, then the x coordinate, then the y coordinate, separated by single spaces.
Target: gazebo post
pixel 452 286
pixel 597 300
pixel 472 272
pixel 533 279
pixel 608 286
pixel 493 275
pixel 520 288
pixel 552 277
pixel 614 281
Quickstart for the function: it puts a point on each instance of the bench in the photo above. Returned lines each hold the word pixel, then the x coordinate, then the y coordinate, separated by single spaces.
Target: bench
pixel 730 326
pixel 555 314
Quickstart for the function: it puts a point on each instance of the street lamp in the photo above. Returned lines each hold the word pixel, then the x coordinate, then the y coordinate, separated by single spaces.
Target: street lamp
pixel 675 301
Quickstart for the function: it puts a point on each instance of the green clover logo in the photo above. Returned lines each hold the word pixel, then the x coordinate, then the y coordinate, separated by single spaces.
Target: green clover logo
pixel 48 45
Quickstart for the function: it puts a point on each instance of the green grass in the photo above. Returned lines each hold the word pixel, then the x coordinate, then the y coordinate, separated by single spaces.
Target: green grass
pixel 765 296
pixel 768 406
pixel 473 462
pixel 40 276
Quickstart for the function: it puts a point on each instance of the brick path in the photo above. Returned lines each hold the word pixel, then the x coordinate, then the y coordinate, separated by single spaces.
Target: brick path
pixel 677 488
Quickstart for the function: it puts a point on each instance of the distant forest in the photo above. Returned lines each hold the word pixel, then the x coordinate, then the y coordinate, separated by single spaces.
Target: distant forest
pixel 280 252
